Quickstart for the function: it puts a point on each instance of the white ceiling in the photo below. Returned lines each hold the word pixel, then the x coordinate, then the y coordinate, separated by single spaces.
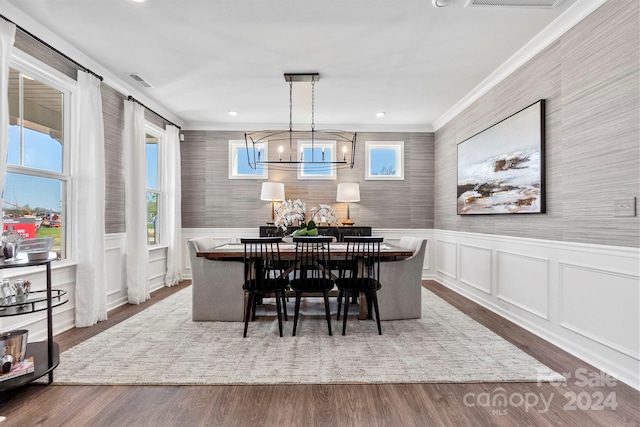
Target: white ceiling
pixel 204 58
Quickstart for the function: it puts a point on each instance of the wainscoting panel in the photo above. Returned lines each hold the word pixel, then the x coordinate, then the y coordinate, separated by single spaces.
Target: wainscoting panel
pixel 446 259
pixel 157 267
pixel 116 272
pixel 475 267
pixel 523 281
pixel 579 296
pixel 610 314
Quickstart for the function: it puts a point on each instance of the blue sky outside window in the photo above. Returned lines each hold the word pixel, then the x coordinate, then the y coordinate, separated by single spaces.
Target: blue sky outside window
pixel 243 167
pixel 152 166
pixel 383 161
pixel 315 169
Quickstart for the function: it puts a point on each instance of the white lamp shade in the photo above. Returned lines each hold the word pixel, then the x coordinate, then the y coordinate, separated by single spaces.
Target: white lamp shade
pixel 272 191
pixel 348 192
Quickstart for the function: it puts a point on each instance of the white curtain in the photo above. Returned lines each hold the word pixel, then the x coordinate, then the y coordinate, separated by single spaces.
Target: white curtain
pixel 171 219
pixel 89 212
pixel 137 251
pixel 7 37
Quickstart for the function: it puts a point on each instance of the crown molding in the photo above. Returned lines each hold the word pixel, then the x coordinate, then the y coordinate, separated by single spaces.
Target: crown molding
pixel 247 127
pixel 552 32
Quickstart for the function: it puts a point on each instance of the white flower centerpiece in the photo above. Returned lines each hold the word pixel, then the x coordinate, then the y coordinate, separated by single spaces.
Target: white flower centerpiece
pixel 288 213
pixel 327 214
pixel 291 211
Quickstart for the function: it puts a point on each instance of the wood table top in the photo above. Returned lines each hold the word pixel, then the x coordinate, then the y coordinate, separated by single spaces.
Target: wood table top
pixel 234 251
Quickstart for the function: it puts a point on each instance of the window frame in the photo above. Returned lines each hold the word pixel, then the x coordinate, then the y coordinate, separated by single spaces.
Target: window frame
pixel 36 69
pixel 398 146
pixel 234 144
pixel 160 134
pixel 304 143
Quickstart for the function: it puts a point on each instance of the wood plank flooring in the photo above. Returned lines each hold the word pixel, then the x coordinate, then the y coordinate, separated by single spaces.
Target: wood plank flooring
pixel 334 405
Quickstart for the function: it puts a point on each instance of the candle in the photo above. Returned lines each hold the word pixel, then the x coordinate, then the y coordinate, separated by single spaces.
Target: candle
pixel 280 153
pixel 344 154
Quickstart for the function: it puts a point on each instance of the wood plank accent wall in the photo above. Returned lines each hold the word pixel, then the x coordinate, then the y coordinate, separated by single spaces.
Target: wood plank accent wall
pixel 589 77
pixel 210 199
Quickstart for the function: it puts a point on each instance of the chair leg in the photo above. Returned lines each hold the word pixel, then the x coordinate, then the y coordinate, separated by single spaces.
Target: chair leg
pixel 339 304
pixel 326 308
pixel 247 314
pixel 255 298
pixel 278 308
pixel 295 316
pixel 284 305
pixel 374 297
pixel 346 311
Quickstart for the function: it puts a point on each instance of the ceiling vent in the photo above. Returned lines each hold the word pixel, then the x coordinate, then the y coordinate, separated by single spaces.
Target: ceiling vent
pixel 517 4
pixel 140 80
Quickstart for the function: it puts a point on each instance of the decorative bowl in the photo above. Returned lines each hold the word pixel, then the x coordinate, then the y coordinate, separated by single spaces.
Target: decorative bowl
pixel 14 343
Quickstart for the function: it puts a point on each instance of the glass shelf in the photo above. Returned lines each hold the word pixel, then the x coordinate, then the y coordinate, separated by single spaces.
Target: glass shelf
pixel 37 301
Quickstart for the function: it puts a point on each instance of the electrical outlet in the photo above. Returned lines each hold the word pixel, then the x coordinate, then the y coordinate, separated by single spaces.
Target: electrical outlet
pixel 624 207
pixel 503 304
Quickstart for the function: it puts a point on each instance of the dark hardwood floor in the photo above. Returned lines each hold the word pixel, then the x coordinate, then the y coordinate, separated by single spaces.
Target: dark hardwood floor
pixel 586 399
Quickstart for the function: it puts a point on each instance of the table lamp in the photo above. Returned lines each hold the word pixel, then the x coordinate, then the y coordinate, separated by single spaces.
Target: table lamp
pixel 273 192
pixel 348 192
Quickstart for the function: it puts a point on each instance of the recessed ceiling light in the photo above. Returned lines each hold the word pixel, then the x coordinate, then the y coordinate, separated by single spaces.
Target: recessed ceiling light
pixel 139 1
pixel 380 114
pixel 233 113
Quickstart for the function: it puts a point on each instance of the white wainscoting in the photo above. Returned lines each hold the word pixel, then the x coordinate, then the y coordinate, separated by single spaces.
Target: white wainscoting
pixel 580 297
pixel 63 276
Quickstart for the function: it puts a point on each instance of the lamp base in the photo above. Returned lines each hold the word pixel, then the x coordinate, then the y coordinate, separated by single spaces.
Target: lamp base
pixel 347 222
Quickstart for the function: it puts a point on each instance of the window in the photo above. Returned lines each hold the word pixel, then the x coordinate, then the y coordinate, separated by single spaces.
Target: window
pixel 384 160
pixel 35 194
pixel 153 142
pixel 321 152
pixel 239 162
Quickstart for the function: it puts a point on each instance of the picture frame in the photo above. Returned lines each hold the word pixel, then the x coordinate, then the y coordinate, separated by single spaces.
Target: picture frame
pixel 501 169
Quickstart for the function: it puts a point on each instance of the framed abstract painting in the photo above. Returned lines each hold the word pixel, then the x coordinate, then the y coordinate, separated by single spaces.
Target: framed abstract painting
pixel 501 169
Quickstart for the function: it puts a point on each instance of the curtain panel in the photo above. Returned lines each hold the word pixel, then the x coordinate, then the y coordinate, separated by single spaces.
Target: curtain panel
pixel 7 38
pixel 137 251
pixel 89 212
pixel 171 220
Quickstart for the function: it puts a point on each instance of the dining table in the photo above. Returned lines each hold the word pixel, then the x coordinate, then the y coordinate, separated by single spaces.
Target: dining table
pixel 235 252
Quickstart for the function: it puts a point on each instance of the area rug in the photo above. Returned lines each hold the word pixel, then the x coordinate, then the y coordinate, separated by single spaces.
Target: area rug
pixel 163 346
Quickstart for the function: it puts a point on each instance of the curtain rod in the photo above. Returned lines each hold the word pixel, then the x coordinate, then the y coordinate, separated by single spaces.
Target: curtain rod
pixel 131 98
pixel 39 40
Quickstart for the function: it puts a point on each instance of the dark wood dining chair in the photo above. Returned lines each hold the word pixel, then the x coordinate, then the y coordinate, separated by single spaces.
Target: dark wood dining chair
pixel 360 274
pixel 264 275
pixel 312 274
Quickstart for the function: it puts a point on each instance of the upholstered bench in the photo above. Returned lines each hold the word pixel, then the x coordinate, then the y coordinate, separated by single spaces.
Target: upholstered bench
pixel 216 285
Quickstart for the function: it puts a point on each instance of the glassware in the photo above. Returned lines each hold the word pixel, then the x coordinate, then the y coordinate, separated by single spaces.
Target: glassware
pixel 7 292
pixel 12 238
pixel 21 294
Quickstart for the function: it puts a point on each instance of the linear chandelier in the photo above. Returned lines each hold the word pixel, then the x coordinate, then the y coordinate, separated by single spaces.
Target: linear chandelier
pixel 314 159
